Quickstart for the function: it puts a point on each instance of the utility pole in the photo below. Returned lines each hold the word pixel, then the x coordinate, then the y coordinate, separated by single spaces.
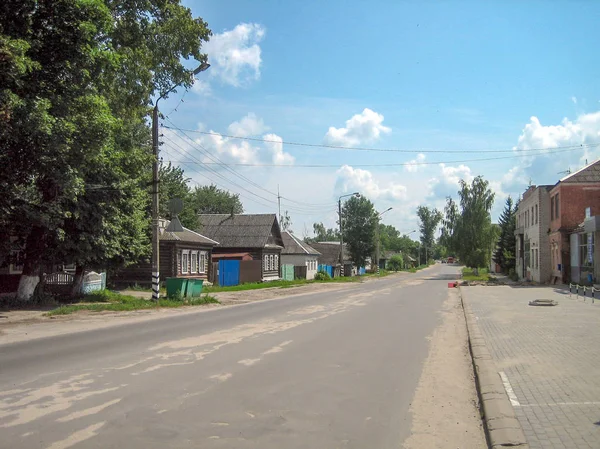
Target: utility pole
pixel 155 184
pixel 377 236
pixel 155 219
pixel 279 203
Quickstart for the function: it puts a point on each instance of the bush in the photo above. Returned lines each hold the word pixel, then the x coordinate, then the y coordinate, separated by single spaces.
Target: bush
pixel 512 275
pixel 322 276
pixel 395 263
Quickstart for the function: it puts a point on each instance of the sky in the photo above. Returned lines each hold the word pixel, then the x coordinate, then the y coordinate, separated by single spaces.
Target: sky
pixel 444 91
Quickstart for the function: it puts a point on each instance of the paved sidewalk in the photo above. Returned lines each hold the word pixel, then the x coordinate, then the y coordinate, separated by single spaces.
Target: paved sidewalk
pixel 548 359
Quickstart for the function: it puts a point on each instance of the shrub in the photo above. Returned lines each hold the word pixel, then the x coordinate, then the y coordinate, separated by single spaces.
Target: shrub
pixel 322 276
pixel 395 263
pixel 512 275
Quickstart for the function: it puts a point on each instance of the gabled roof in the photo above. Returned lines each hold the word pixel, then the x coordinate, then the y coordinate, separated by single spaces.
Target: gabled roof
pixel 292 245
pixel 186 235
pixel 241 231
pixel 330 252
pixel 589 173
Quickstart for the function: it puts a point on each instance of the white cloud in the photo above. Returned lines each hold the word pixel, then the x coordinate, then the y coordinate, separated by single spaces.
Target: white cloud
pixel 229 150
pixel 447 183
pixel 358 180
pixel 275 146
pixel 201 87
pixel 544 166
pixel 414 165
pixel 361 128
pixel 250 125
pixel 235 55
pixel 574 100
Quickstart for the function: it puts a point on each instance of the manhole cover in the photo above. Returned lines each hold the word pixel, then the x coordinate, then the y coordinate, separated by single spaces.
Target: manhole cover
pixel 543 302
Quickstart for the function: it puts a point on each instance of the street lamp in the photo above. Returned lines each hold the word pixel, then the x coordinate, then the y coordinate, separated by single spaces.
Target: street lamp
pixel 155 219
pixel 356 194
pixel 409 233
pixel 377 235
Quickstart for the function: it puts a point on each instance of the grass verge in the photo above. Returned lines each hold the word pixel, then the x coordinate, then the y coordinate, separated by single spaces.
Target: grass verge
pixel 116 302
pixel 468 275
pixel 278 284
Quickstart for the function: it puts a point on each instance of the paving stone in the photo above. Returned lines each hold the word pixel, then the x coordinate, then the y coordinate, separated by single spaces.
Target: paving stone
pixel 550 357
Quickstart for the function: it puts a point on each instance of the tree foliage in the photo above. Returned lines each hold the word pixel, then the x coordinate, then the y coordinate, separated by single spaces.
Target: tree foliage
pixel 323 234
pixel 359 223
pixel 395 263
pixel 504 255
pixel 468 230
pixel 76 79
pixel 212 200
pixel 285 221
pixel 429 219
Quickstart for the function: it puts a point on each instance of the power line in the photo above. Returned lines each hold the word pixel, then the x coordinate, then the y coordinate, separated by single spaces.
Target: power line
pixel 241 176
pixel 296 209
pixel 393 164
pixel 387 150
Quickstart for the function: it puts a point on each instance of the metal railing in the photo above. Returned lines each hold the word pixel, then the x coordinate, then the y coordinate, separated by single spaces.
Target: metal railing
pixel 584 289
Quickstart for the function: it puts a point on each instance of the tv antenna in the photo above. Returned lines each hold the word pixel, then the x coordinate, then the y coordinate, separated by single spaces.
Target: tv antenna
pixel 175 207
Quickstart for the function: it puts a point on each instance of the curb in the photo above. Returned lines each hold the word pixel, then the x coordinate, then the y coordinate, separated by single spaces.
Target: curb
pixel 502 427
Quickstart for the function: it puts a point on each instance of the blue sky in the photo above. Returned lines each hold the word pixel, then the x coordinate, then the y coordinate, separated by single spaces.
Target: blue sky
pixel 472 76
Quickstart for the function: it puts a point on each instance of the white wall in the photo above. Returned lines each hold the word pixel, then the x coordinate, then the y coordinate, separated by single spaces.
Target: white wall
pixel 300 260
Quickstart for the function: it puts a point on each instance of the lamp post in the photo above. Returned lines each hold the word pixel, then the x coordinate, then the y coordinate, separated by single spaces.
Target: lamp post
pixel 155 218
pixel 406 235
pixel 377 235
pixel 356 194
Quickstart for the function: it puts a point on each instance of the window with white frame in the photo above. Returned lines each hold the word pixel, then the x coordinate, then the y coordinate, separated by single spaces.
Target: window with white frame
pixel 266 262
pixel 194 262
pixel 202 261
pixel 185 261
pixel 271 262
pixel 276 263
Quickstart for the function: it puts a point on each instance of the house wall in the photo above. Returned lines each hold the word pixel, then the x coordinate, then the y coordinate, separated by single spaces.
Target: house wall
pixel 271 273
pixel 257 254
pixel 533 216
pixel 175 268
pixel 302 260
pixel 573 199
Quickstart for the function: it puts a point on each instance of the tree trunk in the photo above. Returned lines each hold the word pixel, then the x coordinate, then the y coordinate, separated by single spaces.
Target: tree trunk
pixel 30 277
pixel 77 281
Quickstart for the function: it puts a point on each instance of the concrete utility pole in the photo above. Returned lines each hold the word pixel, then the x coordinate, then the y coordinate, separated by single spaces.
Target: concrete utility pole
pixel 356 194
pixel 377 236
pixel 154 193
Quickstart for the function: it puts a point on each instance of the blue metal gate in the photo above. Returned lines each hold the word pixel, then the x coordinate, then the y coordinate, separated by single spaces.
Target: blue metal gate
pixel 229 272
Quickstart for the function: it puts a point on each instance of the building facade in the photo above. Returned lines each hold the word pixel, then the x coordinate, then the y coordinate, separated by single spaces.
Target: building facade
pixel 570 198
pixel 532 246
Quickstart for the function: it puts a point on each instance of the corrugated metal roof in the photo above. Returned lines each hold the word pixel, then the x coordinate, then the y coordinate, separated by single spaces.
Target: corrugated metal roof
pixel 241 231
pixel 292 245
pixel 330 252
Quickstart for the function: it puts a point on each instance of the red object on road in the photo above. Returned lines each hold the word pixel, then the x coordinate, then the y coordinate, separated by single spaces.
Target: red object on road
pixel 452 284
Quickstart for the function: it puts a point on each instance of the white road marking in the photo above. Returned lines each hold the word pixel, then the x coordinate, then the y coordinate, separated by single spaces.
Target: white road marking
pixel 559 404
pixel 509 390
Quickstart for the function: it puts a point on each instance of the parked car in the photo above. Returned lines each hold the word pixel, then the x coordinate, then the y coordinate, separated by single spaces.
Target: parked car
pixel 450 259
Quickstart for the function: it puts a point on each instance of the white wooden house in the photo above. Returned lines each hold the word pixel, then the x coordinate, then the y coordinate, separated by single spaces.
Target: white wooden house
pixel 296 252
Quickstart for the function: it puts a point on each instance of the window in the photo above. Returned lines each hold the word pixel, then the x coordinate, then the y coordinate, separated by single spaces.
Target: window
pixel 271 262
pixel 266 263
pixel 557 207
pixel 586 250
pixel 532 216
pixel 185 261
pixel 16 267
pixel 202 260
pixel 551 208
pixel 194 262
pixel 276 266
pixel 536 214
pixel 537 260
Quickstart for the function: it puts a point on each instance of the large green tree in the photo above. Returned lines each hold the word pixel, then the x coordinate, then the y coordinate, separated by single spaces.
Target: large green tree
pixel 429 219
pixel 212 200
pixel 468 229
pixel 504 255
pixel 359 220
pixel 76 80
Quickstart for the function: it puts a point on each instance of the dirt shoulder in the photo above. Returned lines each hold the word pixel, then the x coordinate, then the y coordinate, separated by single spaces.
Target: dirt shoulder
pixel 445 407
pixel 20 325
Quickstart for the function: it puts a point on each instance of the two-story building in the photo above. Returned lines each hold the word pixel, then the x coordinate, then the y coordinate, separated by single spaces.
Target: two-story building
pixel 569 200
pixel 532 249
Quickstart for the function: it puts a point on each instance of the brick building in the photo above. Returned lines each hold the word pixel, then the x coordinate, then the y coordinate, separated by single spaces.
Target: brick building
pixel 532 248
pixel 569 199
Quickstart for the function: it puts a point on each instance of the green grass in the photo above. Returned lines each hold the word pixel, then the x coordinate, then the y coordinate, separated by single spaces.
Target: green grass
pixel 468 275
pixel 278 284
pixel 116 302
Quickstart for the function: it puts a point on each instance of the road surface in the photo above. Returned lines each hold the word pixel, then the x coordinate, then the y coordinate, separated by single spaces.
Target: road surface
pixel 327 370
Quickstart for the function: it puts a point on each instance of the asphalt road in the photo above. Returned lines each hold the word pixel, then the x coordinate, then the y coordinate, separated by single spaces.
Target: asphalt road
pixel 327 370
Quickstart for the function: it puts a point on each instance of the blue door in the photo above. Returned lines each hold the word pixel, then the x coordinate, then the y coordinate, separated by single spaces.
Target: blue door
pixel 229 272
